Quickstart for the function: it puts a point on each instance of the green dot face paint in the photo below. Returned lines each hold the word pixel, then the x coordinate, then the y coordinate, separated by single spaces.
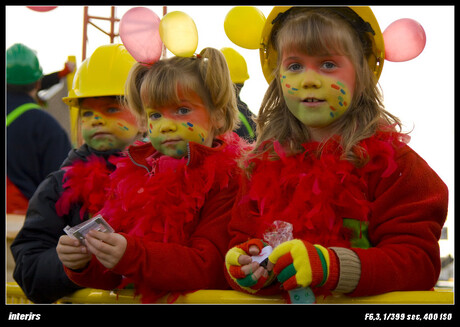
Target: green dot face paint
pixel 106 125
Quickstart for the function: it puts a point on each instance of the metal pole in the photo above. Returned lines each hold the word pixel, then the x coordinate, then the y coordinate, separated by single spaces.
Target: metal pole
pixel 112 25
pixel 87 20
pixel 165 11
pixel 85 30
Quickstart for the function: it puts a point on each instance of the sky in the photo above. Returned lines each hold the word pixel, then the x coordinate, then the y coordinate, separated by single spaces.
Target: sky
pixel 420 92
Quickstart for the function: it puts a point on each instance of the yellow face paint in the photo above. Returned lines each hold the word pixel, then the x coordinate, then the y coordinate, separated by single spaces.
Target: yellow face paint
pixel 173 126
pixel 317 89
pixel 107 125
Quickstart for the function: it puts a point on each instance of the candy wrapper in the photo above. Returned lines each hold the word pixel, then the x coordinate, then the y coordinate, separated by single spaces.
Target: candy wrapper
pixel 278 233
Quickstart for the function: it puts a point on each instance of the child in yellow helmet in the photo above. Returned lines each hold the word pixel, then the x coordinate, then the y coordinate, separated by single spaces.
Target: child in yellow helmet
pixel 76 191
pixel 366 210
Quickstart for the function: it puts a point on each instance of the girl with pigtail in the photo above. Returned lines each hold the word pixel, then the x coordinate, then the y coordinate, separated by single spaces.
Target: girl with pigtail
pixel 366 211
pixel 169 200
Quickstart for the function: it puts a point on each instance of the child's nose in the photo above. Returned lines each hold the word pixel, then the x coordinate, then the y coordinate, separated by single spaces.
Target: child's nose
pixel 97 120
pixel 168 126
pixel 311 79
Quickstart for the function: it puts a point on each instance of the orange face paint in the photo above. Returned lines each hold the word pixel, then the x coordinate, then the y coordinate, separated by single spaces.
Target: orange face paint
pixel 107 125
pixel 172 126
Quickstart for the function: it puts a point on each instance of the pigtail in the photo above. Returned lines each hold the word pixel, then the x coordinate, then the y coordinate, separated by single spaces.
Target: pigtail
pixel 216 77
pixel 133 97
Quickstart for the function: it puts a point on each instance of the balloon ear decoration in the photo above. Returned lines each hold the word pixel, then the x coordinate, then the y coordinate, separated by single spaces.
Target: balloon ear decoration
pixel 179 34
pixel 403 40
pixel 143 34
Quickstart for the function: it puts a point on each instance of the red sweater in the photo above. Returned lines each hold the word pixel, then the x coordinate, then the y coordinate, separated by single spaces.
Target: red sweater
pixel 174 215
pixel 398 204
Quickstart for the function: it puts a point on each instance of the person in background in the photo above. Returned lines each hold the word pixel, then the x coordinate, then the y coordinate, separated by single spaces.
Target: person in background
pixel 75 192
pixel 36 144
pixel 239 74
pixel 52 79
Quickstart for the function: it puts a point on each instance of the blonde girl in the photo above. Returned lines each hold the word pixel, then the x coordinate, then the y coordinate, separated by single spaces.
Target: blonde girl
pixel 169 200
pixel 366 210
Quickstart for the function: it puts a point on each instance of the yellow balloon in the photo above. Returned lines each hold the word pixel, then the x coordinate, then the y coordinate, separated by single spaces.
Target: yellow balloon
pixel 179 34
pixel 243 26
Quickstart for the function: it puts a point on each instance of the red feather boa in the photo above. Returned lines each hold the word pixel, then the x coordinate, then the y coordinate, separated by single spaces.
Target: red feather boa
pixel 164 204
pixel 315 193
pixel 84 184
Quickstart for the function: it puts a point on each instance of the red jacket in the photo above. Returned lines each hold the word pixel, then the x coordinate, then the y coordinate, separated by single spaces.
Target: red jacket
pixel 174 215
pixel 396 203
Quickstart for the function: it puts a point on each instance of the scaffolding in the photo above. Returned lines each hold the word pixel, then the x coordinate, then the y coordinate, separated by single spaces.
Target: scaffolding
pixel 88 19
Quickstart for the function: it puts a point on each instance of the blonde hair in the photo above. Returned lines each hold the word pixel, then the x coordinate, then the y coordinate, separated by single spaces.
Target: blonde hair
pixel 321 31
pixel 206 74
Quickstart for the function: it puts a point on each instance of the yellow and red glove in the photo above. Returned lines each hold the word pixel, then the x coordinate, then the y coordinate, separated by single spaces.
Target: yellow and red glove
pixel 245 282
pixel 299 263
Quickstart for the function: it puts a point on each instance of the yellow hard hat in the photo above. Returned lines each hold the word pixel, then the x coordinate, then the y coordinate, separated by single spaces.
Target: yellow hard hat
pixel 269 56
pixel 236 64
pixel 102 74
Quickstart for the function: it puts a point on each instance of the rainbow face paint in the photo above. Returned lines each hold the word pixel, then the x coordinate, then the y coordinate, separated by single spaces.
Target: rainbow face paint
pixel 106 125
pixel 317 89
pixel 172 127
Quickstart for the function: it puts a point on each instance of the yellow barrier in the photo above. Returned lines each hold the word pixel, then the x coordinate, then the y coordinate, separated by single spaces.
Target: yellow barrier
pixel 13 226
pixel 95 296
pixel 15 295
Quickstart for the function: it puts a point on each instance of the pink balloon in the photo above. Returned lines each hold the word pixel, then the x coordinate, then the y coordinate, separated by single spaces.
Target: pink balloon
pixel 404 40
pixel 139 32
pixel 41 8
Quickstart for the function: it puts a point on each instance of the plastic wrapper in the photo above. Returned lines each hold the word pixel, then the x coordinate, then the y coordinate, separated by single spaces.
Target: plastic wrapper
pixel 278 233
pixel 281 232
pixel 79 231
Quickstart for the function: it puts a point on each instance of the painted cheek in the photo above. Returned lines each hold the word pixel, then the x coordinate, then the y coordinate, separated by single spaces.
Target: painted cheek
pixel 123 128
pixel 339 98
pixel 289 85
pixel 154 134
pixel 193 132
pixel 150 127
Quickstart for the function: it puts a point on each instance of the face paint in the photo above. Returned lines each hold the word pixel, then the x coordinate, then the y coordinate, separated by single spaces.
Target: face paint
pixel 317 89
pixel 106 125
pixel 171 127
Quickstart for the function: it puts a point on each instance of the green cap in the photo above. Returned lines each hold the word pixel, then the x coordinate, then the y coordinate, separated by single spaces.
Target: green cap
pixel 22 66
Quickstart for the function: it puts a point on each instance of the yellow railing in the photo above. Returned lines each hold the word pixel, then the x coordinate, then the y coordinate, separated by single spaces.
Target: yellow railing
pixel 95 296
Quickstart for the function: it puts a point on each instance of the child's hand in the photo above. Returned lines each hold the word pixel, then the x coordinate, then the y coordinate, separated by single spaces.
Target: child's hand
pixel 107 247
pixel 72 254
pixel 298 263
pixel 248 274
